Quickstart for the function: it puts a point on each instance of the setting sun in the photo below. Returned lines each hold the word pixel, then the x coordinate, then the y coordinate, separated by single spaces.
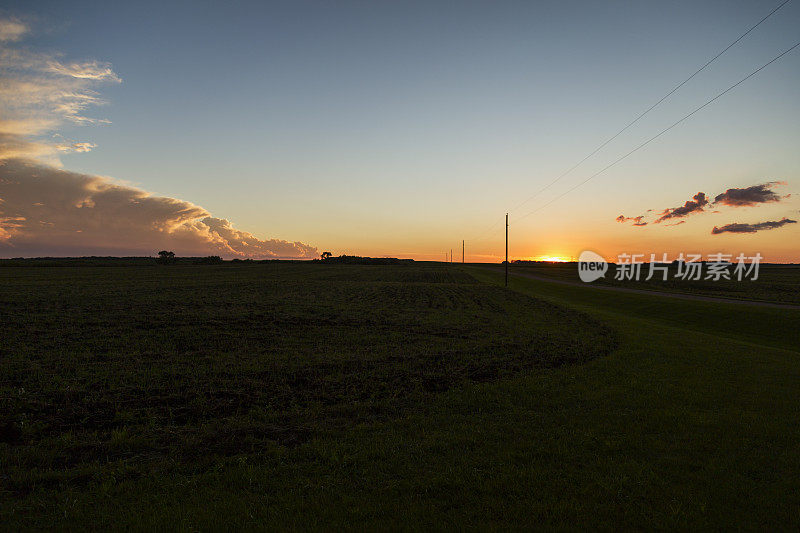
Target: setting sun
pixel 553 258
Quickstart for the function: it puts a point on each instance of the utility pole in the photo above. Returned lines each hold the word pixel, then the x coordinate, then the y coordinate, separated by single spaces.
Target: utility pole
pixel 451 256
pixel 506 249
pixel 462 251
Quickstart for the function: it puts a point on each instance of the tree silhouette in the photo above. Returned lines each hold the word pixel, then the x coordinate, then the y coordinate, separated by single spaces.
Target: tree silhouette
pixel 165 257
pixel 326 255
pixel 210 260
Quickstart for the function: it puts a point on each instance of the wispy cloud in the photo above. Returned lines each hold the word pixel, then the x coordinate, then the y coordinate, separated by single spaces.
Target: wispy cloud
pixel 752 228
pixel 12 30
pixel 80 147
pixel 17 146
pixel 88 70
pixel 637 221
pixel 753 195
pixel 696 204
pixel 38 93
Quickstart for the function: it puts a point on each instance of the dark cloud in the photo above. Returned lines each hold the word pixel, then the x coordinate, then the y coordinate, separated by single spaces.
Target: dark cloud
pixel 45 210
pixel 752 228
pixel 756 194
pixel 697 203
pixel 637 221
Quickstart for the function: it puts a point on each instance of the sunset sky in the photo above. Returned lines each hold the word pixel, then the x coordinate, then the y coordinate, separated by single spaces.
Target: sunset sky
pixel 283 129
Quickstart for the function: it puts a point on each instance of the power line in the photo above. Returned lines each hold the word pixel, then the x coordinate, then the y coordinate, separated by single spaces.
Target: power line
pixel 665 130
pixel 490 232
pixel 645 112
pixel 486 233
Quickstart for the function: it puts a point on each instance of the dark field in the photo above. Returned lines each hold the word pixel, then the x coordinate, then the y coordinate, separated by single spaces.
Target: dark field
pixel 425 396
pixel 125 372
pixel 775 283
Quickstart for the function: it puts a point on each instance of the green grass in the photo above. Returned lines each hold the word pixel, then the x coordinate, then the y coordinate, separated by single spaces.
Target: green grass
pixel 685 424
pixel 759 325
pixel 775 283
pixel 127 372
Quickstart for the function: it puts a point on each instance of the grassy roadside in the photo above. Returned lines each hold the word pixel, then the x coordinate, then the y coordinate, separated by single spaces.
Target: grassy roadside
pixel 775 283
pixel 677 428
pixel 762 326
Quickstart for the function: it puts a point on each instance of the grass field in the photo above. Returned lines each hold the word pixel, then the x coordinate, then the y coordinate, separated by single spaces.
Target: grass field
pixel 775 283
pixel 307 396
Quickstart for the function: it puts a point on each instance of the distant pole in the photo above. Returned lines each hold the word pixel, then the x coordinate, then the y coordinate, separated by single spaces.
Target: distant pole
pixel 451 255
pixel 506 249
pixel 462 251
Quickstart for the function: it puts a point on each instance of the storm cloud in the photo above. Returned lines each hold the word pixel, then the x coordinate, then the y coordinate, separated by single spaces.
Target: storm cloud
pixel 48 211
pixel 756 194
pixel 696 204
pixel 752 228
pixel 43 209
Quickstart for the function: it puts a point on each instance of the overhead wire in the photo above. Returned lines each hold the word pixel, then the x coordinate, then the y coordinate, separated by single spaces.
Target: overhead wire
pixel 662 132
pixel 646 111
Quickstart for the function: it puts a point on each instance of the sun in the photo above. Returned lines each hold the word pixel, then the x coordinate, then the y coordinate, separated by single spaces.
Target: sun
pixel 553 258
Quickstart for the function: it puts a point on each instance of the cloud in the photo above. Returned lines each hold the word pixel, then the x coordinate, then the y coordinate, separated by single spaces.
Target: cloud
pixel 756 194
pixel 38 93
pixel 49 211
pixel 72 146
pixel 697 203
pixel 752 228
pixel 12 30
pixel 89 70
pixel 16 146
pixel 637 221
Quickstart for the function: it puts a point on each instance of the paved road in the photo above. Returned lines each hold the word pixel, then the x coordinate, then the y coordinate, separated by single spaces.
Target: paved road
pixel 675 295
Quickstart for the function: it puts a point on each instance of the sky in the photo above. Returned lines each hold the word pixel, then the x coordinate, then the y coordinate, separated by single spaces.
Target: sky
pixel 284 129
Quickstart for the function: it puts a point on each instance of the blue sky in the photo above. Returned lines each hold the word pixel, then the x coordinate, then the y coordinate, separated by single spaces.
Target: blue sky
pixel 401 128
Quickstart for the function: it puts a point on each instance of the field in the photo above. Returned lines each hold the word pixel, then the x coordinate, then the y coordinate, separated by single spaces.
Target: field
pixel 413 396
pixel 775 283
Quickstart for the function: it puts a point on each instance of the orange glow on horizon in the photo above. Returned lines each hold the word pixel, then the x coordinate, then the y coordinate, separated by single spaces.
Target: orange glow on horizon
pixel 553 258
